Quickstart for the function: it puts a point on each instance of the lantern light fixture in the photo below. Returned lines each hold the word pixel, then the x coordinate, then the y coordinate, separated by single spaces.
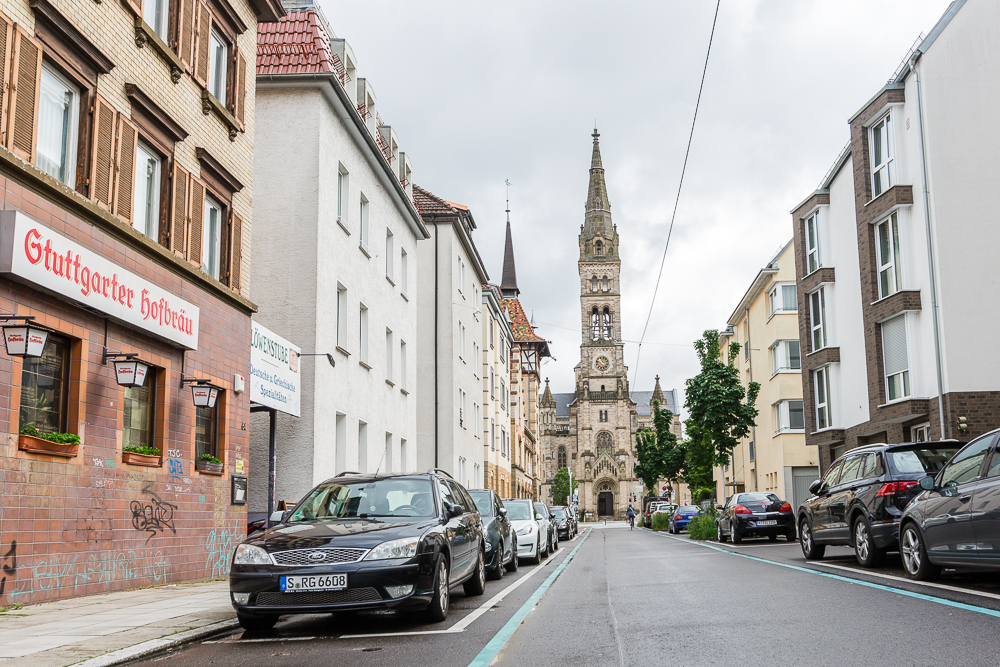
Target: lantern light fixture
pixel 129 370
pixel 21 337
pixel 203 392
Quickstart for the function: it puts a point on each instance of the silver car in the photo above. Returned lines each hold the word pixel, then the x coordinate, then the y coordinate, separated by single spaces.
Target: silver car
pixel 547 524
pixel 530 540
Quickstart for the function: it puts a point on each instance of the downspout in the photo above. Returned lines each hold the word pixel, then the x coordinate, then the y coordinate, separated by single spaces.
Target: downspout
pixel 753 430
pixel 931 264
pixel 437 417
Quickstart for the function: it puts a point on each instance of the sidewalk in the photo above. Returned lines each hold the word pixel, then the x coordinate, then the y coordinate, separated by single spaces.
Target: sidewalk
pixel 55 634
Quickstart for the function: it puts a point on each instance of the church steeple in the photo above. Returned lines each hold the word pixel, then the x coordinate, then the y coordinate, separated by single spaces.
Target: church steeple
pixel 598 236
pixel 508 282
pixel 658 394
pixel 597 194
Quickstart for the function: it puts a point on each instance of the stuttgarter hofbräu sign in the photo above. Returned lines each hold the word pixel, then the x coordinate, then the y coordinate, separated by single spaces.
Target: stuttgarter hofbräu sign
pixel 274 371
pixel 35 253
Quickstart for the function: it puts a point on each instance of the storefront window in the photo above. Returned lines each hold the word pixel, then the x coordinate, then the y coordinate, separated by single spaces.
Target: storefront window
pixel 137 424
pixel 45 387
pixel 206 432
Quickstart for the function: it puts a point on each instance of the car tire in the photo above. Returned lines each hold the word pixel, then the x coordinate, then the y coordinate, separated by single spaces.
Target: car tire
pixel 810 549
pixel 514 561
pixel 537 558
pixel 718 532
pixel 914 555
pixel 477 584
pixel 437 610
pixel 772 538
pixel 791 536
pixel 735 534
pixel 256 623
pixel 865 549
pixel 497 573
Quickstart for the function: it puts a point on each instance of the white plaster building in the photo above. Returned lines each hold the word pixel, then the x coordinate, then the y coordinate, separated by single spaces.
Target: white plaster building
pixel 449 342
pixel 333 265
pixel 496 419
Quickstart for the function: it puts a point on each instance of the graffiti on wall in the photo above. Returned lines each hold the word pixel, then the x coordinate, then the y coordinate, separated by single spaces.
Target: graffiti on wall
pixel 8 565
pixel 220 545
pixel 153 517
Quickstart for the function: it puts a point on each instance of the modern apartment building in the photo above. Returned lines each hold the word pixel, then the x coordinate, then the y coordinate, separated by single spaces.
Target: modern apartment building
pixel 450 343
pixel 894 253
pixel 497 341
pixel 334 263
pixel 126 167
pixel 774 457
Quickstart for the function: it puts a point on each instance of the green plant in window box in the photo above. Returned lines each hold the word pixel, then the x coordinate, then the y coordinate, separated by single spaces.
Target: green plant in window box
pixel 59 438
pixel 145 451
pixel 208 458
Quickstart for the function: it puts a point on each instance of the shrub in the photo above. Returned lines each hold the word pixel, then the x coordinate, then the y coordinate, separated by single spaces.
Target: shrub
pixel 61 438
pixel 136 449
pixel 702 527
pixel 661 521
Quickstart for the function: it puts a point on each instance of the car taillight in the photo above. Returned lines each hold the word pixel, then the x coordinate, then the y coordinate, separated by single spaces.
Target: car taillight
pixel 892 488
pixel 785 507
pixel 739 509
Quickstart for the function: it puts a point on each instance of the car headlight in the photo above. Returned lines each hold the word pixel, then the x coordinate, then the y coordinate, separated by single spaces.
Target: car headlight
pixel 402 548
pixel 525 531
pixel 489 547
pixel 247 554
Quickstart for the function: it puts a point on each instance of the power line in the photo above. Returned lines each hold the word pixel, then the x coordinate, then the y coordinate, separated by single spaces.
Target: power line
pixel 680 185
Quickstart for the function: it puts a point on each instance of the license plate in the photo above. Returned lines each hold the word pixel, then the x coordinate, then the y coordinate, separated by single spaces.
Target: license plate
pixel 317 582
pixel 768 522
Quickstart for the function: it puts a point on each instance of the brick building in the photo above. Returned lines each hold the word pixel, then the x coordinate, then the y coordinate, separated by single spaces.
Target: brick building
pixel 894 255
pixel 125 177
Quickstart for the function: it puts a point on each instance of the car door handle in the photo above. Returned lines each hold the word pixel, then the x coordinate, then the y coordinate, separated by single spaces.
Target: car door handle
pixel 966 498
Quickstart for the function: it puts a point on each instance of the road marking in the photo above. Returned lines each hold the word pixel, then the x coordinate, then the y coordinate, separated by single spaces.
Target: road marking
pixel 262 640
pixel 932 584
pixel 466 621
pixel 858 582
pixel 490 651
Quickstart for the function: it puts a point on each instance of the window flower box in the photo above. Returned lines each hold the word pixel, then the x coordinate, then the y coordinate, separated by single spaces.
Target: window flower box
pixel 208 467
pixel 147 460
pixel 30 443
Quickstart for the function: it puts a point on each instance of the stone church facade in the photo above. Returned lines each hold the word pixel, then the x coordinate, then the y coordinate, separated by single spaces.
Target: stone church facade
pixel 592 430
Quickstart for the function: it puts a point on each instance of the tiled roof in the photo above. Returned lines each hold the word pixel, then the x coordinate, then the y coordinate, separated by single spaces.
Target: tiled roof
pixel 430 204
pixel 297 44
pixel 523 331
pixel 563 401
pixel 642 399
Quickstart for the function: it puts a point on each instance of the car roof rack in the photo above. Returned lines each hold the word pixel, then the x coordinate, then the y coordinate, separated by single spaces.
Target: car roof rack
pixel 347 472
pixel 439 471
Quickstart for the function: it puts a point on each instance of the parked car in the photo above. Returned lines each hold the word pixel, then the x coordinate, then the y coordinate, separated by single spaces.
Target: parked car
pixel 532 544
pixel 358 542
pixel 544 516
pixel 501 542
pixel 565 522
pixel 648 504
pixel 662 508
pixel 861 499
pixel 681 516
pixel 954 520
pixel 755 514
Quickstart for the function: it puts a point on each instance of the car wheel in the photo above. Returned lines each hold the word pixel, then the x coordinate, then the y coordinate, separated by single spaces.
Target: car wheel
pixel 514 562
pixel 256 623
pixel 865 550
pixel 791 536
pixel 477 585
pixel 735 534
pixel 537 559
pixel 437 611
pixel 498 572
pixel 772 538
pixel 915 562
pixel 810 549
pixel 718 532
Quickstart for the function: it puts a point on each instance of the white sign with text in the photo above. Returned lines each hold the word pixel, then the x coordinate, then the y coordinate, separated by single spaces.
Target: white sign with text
pixel 274 371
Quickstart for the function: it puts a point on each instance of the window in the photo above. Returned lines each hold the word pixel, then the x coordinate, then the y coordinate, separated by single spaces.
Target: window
pixel 493 434
pixel 824 419
pixel 751 451
pixel 137 413
pixel 363 333
pixel 890 279
pixel 605 284
pixel 156 13
pixel 492 384
pixel 403 278
pixel 782 299
pixel 598 249
pixel 817 316
pixel 880 140
pixel 788 416
pixel 218 57
pixel 206 432
pixel 402 364
pixel 461 341
pixel 593 284
pixel 211 247
pixel 362 446
pixel 387 455
pixel 58 123
pixel 785 356
pixel 561 458
pixel 404 465
pixel 607 324
pixel 491 332
pixel 812 243
pixel 388 254
pixel 967 462
pixel 363 222
pixel 461 276
pixel 503 392
pixel 45 387
pixel 461 408
pixel 343 193
pixel 341 453
pixel 146 217
pixel 853 466
pixel 476 417
pixel 388 355
pixel 895 358
pixel 920 433
pixel 341 316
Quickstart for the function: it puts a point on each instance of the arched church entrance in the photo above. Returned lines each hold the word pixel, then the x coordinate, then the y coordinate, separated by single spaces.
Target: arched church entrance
pixel 605 503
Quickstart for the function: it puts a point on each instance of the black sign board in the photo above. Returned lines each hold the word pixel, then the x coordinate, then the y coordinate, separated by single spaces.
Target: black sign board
pixel 239 496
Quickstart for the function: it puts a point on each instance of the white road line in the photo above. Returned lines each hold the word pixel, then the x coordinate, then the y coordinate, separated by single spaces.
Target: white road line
pixel 956 589
pixel 263 640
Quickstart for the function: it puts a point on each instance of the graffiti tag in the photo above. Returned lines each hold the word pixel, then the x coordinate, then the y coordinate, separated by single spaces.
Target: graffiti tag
pixel 220 545
pixel 63 572
pixel 155 516
pixel 9 566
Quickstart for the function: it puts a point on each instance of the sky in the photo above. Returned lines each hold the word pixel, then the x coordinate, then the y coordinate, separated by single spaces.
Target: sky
pixel 479 93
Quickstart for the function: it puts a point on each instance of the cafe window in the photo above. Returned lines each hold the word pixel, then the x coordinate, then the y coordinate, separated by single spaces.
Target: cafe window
pixel 206 432
pixel 138 413
pixel 45 388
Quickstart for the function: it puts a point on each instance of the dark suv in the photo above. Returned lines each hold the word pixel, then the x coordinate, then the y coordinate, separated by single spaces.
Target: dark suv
pixel 861 499
pixel 361 541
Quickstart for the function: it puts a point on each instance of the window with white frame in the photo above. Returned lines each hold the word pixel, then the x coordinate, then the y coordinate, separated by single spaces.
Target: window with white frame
pixel 343 190
pixel 890 276
pixel 461 341
pixel 491 333
pixel 146 203
pixel 821 380
pixel 402 364
pixel 475 358
pixel 363 333
pixel 921 432
pixel 781 298
pixel 218 60
pixel 746 337
pixel 58 123
pixel 404 465
pixel 363 222
pixel 362 446
pixel 817 318
pixel 211 248
pixel 388 355
pixel 881 147
pixel 156 14
pixel 461 407
pixel 388 254
pixel 461 276
pixel 403 268
pixel 475 418
pixel 785 356
pixel 788 416
pixel 341 316
pixel 493 434
pixel 813 261
pixel 387 455
pixel 895 358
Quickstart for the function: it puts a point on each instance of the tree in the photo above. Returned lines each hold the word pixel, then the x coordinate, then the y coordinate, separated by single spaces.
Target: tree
pixel 657 453
pixel 720 413
pixel 560 487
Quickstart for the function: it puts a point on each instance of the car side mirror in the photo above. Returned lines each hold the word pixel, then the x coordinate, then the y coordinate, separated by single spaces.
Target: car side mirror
pixel 719 507
pixel 455 510
pixel 815 486
pixel 927 483
pixel 503 511
pixel 278 517
pixel 538 516
pixel 552 516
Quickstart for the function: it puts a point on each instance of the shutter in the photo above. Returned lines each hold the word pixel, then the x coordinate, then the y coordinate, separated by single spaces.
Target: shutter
pixel 241 90
pixel 6 37
pixel 232 80
pixel 25 77
pixel 236 252
pixel 196 221
pixel 894 345
pixel 186 31
pixel 204 42
pixel 103 155
pixel 128 138
pixel 135 6
pixel 178 210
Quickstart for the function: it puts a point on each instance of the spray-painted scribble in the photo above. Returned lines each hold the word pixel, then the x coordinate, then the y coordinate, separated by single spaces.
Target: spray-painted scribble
pixel 9 567
pixel 220 545
pixel 153 517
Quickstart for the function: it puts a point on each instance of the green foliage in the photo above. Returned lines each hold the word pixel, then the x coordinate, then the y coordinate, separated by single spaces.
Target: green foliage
pixel 657 452
pixel 661 521
pixel 560 487
pixel 61 438
pixel 209 458
pixel 136 449
pixel 702 527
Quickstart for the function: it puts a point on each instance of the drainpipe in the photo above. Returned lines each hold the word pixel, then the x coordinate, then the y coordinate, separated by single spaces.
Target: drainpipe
pixel 931 265
pixel 753 429
pixel 437 417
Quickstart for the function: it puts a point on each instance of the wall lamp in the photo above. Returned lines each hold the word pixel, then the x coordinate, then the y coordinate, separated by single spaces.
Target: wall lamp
pixel 23 339
pixel 129 371
pixel 203 392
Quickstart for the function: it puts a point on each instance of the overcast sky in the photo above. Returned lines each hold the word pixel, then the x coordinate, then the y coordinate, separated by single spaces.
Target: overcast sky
pixel 481 92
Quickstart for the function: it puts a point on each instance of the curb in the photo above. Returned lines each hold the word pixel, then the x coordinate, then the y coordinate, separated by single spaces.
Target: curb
pixel 147 648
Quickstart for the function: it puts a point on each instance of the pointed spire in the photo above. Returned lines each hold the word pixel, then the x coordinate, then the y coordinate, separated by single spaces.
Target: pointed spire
pixel 658 394
pixel 597 194
pixel 508 282
pixel 547 399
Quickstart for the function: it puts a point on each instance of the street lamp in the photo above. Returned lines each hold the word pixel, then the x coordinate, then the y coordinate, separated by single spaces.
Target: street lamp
pixel 24 339
pixel 203 393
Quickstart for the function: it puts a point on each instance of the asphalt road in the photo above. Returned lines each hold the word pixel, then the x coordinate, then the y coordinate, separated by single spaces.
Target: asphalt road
pixel 621 597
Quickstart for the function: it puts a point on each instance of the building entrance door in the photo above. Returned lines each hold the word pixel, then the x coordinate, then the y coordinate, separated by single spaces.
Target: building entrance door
pixel 605 504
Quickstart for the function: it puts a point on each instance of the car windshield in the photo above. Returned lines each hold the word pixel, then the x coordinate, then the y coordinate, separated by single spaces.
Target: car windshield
pixel 518 511
pixel 559 512
pixel 484 502
pixel 540 508
pixel 687 509
pixel 927 459
pixel 383 498
pixel 759 498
